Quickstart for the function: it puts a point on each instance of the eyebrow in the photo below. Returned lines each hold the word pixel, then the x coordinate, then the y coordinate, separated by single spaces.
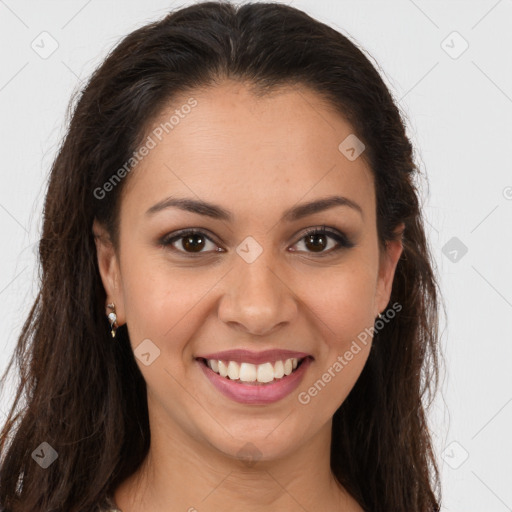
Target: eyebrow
pixel 217 212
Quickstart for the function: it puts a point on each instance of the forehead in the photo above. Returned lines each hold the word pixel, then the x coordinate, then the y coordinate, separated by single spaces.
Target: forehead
pixel 228 145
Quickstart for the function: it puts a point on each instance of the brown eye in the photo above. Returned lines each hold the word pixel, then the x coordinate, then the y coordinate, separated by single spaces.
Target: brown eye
pixel 190 242
pixel 316 243
pixel 318 240
pixel 194 243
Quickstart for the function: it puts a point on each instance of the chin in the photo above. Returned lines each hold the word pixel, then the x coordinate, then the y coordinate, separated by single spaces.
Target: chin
pixel 256 440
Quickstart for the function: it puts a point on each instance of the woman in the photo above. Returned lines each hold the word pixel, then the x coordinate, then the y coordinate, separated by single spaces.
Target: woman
pixel 237 309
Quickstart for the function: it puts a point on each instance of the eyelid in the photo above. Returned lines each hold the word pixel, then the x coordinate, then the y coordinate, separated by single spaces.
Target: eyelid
pixel 343 241
pixel 168 239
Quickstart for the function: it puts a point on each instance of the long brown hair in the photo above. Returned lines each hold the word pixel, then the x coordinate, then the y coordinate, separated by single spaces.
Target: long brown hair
pixel 84 395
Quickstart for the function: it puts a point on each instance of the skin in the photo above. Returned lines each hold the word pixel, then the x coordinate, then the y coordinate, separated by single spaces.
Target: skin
pixel 256 157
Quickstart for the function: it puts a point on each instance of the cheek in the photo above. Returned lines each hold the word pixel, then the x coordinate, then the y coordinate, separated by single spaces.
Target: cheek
pixel 342 301
pixel 342 307
pixel 161 302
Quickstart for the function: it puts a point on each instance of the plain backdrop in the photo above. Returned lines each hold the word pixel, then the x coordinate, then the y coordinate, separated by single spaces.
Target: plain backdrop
pixel 448 64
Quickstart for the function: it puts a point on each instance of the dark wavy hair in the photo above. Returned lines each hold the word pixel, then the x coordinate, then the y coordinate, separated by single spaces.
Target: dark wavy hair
pixel 85 395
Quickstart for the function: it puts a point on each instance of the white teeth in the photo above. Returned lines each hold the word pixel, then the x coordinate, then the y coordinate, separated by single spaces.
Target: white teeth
pixel 248 372
pixel 265 372
pixel 233 370
pixel 223 369
pixel 278 370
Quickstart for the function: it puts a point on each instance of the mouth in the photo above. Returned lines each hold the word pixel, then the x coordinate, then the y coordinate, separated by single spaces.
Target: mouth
pixel 266 380
pixel 254 374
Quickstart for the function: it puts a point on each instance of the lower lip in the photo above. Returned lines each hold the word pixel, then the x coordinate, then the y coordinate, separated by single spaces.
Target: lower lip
pixel 257 394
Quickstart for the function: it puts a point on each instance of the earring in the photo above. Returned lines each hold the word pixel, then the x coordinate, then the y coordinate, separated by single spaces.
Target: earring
pixel 113 319
pixel 380 315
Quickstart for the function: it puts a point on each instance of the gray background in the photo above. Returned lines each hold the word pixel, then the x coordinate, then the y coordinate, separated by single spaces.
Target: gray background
pixel 458 104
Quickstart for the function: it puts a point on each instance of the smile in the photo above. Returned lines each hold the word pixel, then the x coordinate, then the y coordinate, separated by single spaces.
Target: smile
pixel 255 373
pixel 258 382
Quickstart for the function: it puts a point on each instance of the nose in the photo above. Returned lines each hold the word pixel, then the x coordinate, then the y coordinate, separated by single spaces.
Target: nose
pixel 257 299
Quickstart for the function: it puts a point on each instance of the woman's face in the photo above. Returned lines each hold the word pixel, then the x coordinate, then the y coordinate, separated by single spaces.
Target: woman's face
pixel 252 279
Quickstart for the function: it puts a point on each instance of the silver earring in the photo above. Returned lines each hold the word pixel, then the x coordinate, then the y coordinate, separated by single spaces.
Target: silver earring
pixel 113 319
pixel 380 316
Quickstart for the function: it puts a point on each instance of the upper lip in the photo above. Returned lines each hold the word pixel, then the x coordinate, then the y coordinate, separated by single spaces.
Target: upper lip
pixel 247 356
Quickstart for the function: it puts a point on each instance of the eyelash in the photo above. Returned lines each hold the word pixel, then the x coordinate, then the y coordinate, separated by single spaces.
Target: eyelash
pixel 340 238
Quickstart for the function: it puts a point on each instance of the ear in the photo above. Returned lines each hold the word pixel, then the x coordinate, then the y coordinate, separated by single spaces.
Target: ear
pixel 108 264
pixel 387 266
